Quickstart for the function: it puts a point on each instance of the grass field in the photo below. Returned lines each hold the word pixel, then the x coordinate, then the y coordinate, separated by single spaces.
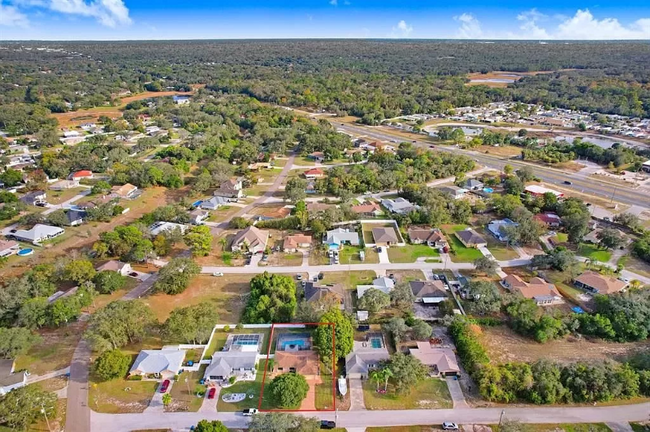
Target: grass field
pixel 429 394
pixel 462 253
pixel 594 253
pixel 351 279
pixel 324 394
pixel 184 394
pixel 120 396
pixel 410 253
pixel 225 293
pixel 57 197
pixel 504 345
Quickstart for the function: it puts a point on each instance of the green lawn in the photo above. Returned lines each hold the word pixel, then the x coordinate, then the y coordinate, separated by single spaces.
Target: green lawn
pixel 324 394
pixel 184 394
pixel 120 396
pixel 429 394
pixel 350 255
pixel 566 427
pixel 594 253
pixel 252 389
pixel 410 253
pixel 636 427
pixel 461 253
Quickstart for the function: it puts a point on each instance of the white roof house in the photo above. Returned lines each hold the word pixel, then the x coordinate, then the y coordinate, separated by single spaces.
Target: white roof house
pixel 341 236
pixel 214 203
pixel 161 363
pixel 38 233
pixel 399 205
pixel 160 227
pixel 383 284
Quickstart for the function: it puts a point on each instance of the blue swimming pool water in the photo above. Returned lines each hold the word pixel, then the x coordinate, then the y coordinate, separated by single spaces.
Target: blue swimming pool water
pixel 297 342
pixel 375 343
pixel 25 252
pixel 488 190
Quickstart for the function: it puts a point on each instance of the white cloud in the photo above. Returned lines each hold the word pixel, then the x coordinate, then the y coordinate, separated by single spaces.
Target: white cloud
pixel 108 12
pixel 584 26
pixel 470 27
pixel 535 25
pixel 12 17
pixel 334 2
pixel 402 30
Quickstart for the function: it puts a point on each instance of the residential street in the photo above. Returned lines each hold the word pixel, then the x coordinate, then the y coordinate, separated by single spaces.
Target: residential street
pixel 615 414
pixel 78 413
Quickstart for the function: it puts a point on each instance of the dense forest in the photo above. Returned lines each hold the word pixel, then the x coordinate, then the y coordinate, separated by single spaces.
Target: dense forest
pixel 371 79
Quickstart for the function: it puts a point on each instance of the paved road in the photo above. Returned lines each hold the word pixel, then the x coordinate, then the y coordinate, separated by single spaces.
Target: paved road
pixel 78 412
pixel 347 419
pixel 548 175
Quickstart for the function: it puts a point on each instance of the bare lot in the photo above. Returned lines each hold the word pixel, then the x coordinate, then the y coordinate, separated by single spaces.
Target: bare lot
pixel 504 345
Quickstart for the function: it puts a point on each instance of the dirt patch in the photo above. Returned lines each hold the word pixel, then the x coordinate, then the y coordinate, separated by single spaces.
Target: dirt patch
pixel 149 95
pixel 504 345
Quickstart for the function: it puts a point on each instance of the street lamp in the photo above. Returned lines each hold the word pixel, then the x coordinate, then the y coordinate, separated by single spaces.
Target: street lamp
pixel 46 419
pixel 501 418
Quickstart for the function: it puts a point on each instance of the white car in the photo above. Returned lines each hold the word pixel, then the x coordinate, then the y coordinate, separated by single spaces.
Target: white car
pixel 249 412
pixel 449 426
pixel 217 274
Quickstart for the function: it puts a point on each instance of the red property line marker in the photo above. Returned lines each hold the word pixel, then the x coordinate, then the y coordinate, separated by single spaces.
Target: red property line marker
pixel 266 364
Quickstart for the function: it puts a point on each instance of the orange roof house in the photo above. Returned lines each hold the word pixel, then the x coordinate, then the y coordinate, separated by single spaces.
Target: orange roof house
pixel 301 362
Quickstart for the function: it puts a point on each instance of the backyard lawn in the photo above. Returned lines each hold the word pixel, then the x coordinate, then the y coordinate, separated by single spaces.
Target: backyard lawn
pixel 120 395
pixel 410 253
pixel 594 253
pixel 429 394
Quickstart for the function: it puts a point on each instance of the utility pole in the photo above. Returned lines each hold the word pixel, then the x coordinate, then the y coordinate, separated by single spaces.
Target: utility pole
pixel 46 419
pixel 501 418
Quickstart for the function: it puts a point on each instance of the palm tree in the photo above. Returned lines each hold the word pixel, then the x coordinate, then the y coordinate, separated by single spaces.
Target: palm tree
pixel 376 375
pixel 386 374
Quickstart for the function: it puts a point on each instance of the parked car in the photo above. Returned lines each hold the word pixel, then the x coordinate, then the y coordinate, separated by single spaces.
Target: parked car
pixel 567 182
pixel 164 386
pixel 449 426
pixel 212 393
pixel 299 276
pixel 327 424
pixel 320 276
pixel 217 274
pixel 249 411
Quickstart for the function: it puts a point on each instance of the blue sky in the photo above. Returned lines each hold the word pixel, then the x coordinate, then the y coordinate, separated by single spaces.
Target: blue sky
pixel 230 19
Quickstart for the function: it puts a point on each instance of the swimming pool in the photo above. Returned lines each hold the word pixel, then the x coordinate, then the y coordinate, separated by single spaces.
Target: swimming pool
pixel 25 252
pixel 488 190
pixel 375 343
pixel 292 344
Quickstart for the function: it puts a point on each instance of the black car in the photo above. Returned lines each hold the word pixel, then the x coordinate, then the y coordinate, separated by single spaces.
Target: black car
pixel 327 424
pixel 567 182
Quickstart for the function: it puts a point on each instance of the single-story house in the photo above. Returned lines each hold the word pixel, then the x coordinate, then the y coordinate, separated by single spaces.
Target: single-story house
pixel 164 364
pixel 38 233
pixel 161 226
pixel 340 236
pixel 311 187
pixel 537 190
pixel 367 209
pixel 592 237
pixel 304 362
pixel 429 292
pixel 251 239
pixel 197 216
pixel 314 293
pixel 494 227
pixel 116 266
pixel 316 156
pixel 125 191
pixel 442 361
pixel 470 238
pixel 385 236
pixel 297 241
pixel 383 284
pixel 399 205
pixel 599 284
pixel 551 220
pixel 83 174
pixel 214 203
pixel 237 358
pixel 34 198
pixel 431 237
pixel 473 184
pixel 232 189
pixel 64 184
pixel 366 356
pixel 181 99
pixel 8 247
pixel 75 217
pixel 454 191
pixel 10 380
pixel 537 289
pixel 314 173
